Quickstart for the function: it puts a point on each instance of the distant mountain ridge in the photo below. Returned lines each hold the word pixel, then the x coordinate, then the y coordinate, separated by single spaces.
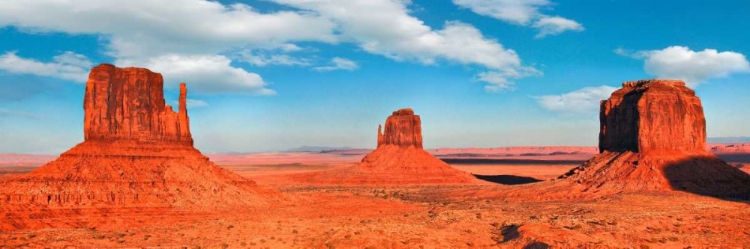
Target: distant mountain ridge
pixel 307 148
pixel 728 140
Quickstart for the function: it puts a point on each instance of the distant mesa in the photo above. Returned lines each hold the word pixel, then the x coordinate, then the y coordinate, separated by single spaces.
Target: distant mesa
pixel 137 152
pixel 653 137
pixel 398 160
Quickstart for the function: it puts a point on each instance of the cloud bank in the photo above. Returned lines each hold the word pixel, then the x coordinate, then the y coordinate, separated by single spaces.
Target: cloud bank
pixel 524 13
pixel 693 67
pixel 208 35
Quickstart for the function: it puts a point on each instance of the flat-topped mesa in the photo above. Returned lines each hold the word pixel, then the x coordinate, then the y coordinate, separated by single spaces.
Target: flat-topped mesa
pixel 398 160
pixel 652 138
pixel 128 104
pixel 403 129
pixel 653 116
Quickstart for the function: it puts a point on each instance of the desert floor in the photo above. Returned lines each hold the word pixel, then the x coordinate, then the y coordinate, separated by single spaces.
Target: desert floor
pixel 312 216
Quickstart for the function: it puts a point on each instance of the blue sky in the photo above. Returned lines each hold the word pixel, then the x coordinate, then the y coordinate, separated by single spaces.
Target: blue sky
pixel 277 74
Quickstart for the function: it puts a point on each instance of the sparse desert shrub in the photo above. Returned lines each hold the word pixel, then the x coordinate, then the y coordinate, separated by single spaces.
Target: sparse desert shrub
pixel 230 226
pixel 224 245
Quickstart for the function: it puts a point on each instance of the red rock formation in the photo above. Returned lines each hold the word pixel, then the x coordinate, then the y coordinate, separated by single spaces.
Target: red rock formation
pixel 403 129
pixel 653 115
pixel 653 137
pixel 399 159
pixel 128 103
pixel 137 152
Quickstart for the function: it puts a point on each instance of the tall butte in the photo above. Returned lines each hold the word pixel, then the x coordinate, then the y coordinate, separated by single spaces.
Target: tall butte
pixel 652 137
pixel 137 152
pixel 398 160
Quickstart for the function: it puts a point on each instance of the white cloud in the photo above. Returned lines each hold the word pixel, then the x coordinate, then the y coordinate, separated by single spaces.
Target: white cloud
pixel 580 101
pixel 149 31
pixel 152 33
pixel 68 66
pixel 522 12
pixel 555 25
pixel 276 56
pixel 515 11
pixel 140 28
pixel 203 73
pixel 499 81
pixel 678 62
pixel 338 64
pixel 385 27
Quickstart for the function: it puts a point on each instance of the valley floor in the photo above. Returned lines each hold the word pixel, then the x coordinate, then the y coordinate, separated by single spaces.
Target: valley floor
pixel 399 217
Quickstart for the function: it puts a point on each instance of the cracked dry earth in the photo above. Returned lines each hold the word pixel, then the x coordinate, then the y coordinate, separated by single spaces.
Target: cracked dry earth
pixel 403 217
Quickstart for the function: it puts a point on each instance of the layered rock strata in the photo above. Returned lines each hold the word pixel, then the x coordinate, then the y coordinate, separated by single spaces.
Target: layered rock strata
pixel 653 137
pixel 137 151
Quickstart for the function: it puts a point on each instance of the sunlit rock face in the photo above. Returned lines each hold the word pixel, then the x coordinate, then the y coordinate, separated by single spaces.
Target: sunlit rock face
pixel 128 104
pixel 402 129
pixel 137 152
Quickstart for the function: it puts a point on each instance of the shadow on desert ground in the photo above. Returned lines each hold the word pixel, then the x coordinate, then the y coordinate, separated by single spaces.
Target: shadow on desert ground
pixel 507 179
pixel 708 176
pixel 512 161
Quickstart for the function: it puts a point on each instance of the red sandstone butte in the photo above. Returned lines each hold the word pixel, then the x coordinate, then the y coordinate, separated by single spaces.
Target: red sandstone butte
pixel 402 129
pixel 653 137
pixel 398 160
pixel 137 151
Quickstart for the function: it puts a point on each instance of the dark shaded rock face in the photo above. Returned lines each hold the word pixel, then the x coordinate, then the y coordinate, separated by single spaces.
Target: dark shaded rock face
pixel 652 116
pixel 402 128
pixel 128 104
pixel 653 138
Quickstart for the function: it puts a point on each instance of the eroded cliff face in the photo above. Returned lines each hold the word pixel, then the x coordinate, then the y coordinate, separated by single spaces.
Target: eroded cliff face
pixel 128 103
pixel 653 138
pixel 403 129
pixel 653 116
pixel 137 152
